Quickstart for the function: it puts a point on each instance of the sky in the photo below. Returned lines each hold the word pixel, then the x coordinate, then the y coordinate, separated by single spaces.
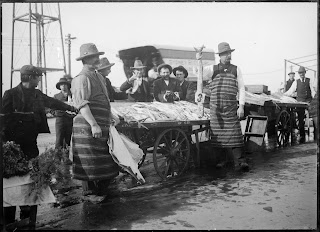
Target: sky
pixel 262 34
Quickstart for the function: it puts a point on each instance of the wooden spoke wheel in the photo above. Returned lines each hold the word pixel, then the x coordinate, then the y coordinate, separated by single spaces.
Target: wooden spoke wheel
pixel 171 153
pixel 283 128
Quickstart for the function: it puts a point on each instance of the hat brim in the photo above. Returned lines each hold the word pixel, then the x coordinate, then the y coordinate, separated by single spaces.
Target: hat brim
pixel 232 50
pixel 139 67
pixel 94 54
pixel 106 66
pixel 180 69
pixel 63 82
pixel 291 73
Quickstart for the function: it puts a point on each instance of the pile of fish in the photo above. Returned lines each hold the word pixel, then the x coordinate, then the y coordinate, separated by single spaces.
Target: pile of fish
pixel 260 99
pixel 157 111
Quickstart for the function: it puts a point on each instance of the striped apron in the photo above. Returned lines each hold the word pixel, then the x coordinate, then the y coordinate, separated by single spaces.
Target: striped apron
pixel 91 157
pixel 224 122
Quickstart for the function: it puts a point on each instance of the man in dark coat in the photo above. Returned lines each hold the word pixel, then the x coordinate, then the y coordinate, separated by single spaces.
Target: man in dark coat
pixel 137 87
pixel 166 89
pixel 64 121
pixel 304 87
pixel 104 69
pixel 25 117
pixel 188 88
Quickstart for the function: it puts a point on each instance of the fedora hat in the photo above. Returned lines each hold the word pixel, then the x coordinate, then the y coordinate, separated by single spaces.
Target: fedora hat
pixel 291 73
pixel 224 47
pixel 63 80
pixel 137 65
pixel 164 66
pixel 301 70
pixel 88 49
pixel 182 69
pixel 68 77
pixel 104 63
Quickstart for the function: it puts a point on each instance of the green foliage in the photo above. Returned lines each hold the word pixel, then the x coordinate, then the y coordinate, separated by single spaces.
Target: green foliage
pixel 14 161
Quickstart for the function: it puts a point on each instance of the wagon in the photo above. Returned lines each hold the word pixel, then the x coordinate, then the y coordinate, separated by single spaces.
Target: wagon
pixel 171 142
pixel 282 119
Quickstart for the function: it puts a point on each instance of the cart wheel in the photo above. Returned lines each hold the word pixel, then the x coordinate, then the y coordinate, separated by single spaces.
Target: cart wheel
pixel 171 153
pixel 283 128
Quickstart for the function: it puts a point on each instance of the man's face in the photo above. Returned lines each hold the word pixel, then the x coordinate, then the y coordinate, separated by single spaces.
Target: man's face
pixel 302 74
pixel 105 72
pixel 225 57
pixel 180 75
pixel 34 81
pixel 93 60
pixel 291 76
pixel 64 87
pixel 138 72
pixel 164 72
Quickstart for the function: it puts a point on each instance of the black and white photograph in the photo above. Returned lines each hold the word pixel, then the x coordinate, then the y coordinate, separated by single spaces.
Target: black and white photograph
pixel 138 115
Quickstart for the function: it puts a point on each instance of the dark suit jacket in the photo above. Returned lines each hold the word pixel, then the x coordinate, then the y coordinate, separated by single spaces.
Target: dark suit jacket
pixel 160 88
pixel 141 95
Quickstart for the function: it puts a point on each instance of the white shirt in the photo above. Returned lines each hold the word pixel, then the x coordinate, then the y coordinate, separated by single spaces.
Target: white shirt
pixel 293 88
pixel 208 72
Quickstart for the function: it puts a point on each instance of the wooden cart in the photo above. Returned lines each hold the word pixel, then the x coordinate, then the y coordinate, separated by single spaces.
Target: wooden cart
pixel 282 119
pixel 169 141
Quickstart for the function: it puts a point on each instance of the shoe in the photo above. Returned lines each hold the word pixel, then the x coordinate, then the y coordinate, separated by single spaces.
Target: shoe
pixel 243 166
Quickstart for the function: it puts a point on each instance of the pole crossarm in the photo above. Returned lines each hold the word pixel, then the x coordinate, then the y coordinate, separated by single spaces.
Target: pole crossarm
pixel 44 69
pixel 300 65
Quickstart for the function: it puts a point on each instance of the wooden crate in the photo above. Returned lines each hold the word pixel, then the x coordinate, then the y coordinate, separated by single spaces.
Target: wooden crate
pixel 256 88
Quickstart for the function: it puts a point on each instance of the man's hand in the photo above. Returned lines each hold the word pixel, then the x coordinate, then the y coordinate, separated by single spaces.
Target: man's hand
pixel 96 131
pixel 74 109
pixel 132 79
pixel 240 111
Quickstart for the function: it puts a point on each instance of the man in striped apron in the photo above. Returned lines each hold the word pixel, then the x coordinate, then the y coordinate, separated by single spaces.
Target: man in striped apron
pixel 92 162
pixel 225 111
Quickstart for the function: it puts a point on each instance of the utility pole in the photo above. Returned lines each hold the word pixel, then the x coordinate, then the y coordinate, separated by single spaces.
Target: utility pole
pixel 68 42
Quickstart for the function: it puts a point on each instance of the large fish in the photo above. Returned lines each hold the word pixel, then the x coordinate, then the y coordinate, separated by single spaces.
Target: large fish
pixel 200 96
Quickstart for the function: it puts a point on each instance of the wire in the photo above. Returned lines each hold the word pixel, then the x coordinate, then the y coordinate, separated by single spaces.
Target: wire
pixel 306 61
pixel 303 57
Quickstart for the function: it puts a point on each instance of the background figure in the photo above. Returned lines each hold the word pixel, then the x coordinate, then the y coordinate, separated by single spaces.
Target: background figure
pixel 166 89
pixel 64 121
pixel 137 87
pixel 225 113
pixel 92 162
pixel 313 113
pixel 25 117
pixel 305 91
pixel 188 88
pixel 290 81
pixel 104 69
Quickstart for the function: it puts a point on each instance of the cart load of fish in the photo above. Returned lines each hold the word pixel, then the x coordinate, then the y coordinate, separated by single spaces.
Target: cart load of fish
pixel 157 111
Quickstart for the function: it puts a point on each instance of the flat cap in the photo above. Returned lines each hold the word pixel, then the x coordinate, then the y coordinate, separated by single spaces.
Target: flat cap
pixel 30 70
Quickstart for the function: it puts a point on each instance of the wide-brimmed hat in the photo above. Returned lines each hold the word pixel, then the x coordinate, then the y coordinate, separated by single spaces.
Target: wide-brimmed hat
pixel 164 66
pixel 68 77
pixel 182 69
pixel 30 70
pixel 104 63
pixel 137 65
pixel 291 73
pixel 63 80
pixel 88 49
pixel 301 70
pixel 224 47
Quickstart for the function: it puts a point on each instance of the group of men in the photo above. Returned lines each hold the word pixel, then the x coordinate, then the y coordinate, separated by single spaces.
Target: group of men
pixel 303 90
pixel 92 93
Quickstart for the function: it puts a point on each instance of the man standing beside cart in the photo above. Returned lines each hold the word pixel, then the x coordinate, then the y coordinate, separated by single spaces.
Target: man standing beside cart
pixel 304 87
pixel 25 117
pixel 92 162
pixel 166 89
pixel 137 86
pixel 290 81
pixel 225 111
